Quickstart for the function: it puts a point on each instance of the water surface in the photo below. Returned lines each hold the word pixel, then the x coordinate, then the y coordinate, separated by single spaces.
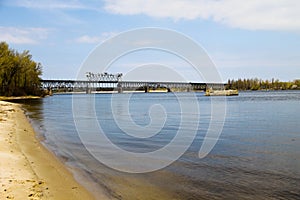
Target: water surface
pixel 256 157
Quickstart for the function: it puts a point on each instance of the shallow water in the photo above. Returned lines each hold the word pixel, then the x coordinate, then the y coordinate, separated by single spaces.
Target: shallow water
pixel 257 155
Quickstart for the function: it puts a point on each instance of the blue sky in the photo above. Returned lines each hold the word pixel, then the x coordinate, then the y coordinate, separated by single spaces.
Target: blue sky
pixel 245 39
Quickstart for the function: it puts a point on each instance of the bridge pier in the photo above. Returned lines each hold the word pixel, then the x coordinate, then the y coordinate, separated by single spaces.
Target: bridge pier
pixel 119 87
pixel 49 91
pixel 88 90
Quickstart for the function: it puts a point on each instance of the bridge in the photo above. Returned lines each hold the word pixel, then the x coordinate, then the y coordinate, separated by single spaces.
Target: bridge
pixel 113 83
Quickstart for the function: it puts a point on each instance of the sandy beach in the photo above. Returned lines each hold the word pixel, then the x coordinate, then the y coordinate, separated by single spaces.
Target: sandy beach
pixel 27 169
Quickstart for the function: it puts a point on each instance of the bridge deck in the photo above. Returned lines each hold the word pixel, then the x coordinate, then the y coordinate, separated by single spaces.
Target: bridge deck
pixel 72 85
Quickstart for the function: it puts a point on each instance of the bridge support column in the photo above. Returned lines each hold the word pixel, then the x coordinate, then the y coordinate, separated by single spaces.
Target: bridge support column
pixel 88 90
pixel 49 91
pixel 120 89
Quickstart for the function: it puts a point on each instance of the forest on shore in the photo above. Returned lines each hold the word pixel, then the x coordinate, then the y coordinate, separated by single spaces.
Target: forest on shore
pixel 259 84
pixel 19 74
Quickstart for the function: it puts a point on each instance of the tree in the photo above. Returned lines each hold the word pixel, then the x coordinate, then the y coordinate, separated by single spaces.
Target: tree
pixel 19 74
pixel 259 84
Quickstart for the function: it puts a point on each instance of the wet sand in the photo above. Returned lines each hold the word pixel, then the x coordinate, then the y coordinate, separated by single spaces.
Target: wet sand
pixel 27 169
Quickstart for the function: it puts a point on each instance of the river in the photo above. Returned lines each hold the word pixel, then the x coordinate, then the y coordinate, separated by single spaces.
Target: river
pixel 256 157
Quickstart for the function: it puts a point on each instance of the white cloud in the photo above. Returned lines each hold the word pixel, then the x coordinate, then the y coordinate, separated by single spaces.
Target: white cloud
pixel 88 39
pixel 252 15
pixel 94 39
pixel 48 4
pixel 58 9
pixel 16 35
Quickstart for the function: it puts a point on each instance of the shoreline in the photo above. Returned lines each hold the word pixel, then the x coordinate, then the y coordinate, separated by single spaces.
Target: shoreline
pixel 28 170
pixel 3 98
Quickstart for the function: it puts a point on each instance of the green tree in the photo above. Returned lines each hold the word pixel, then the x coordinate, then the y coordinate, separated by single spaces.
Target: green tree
pixel 259 84
pixel 19 74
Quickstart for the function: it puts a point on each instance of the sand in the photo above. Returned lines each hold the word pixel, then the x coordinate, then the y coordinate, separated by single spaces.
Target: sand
pixel 27 169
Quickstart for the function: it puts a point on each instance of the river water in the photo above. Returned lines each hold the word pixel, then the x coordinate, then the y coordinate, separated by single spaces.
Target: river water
pixel 256 157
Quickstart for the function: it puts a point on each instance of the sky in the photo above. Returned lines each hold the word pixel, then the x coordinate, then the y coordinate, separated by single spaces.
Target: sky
pixel 245 39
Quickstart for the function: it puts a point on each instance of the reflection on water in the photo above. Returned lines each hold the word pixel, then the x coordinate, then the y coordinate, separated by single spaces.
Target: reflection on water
pixel 257 156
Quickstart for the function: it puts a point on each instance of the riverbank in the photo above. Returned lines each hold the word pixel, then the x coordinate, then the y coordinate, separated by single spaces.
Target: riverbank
pixel 3 98
pixel 27 169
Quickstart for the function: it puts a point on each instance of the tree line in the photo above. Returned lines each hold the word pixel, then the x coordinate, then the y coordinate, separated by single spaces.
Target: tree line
pixel 19 74
pixel 259 84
